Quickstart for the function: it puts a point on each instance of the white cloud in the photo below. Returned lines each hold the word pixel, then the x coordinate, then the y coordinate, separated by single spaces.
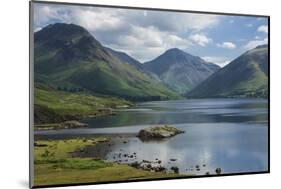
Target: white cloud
pixel 171 21
pixel 97 21
pixel 44 14
pixel 263 28
pixel 98 18
pixel 147 43
pixel 227 45
pixel 200 39
pixel 142 34
pixel 254 43
pixel 221 61
pixel 200 22
pixel 138 37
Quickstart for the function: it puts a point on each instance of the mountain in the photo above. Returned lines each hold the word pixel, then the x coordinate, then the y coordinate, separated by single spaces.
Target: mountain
pixel 122 56
pixel 247 76
pixel 179 70
pixel 68 57
pixel 125 58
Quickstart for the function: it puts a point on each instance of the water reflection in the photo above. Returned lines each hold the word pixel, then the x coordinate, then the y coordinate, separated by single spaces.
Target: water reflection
pixel 187 111
pixel 228 133
pixel 233 147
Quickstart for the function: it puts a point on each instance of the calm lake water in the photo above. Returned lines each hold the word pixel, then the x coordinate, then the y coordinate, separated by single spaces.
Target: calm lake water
pixel 231 134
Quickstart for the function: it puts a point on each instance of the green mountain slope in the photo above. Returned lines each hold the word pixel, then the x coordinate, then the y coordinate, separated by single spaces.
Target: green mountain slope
pixel 179 70
pixel 53 106
pixel 245 76
pixel 126 58
pixel 68 57
pixel 139 66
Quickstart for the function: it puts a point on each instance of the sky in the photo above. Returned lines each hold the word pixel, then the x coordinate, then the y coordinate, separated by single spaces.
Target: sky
pixel 146 34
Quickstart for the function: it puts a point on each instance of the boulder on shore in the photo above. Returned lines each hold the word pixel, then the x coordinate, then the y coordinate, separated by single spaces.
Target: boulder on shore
pixel 158 132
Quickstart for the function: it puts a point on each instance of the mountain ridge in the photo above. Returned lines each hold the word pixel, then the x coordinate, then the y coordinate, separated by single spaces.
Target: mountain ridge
pixel 76 60
pixel 252 69
pixel 125 58
pixel 180 70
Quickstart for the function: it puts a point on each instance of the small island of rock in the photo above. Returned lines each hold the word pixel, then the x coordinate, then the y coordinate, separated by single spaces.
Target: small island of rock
pixel 158 132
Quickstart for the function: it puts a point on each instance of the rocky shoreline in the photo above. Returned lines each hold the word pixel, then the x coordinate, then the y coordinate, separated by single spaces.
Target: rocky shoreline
pixel 101 150
pixel 73 124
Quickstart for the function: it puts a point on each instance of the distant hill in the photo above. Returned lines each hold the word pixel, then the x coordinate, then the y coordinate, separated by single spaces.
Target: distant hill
pixel 68 57
pixel 246 76
pixel 179 70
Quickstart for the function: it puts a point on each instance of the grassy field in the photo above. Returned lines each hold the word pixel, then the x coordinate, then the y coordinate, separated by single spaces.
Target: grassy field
pixel 55 165
pixel 53 106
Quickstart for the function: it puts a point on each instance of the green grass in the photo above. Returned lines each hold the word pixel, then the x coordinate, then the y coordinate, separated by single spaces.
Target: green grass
pixel 60 149
pixel 54 165
pixel 47 175
pixel 55 103
pixel 56 154
pixel 82 163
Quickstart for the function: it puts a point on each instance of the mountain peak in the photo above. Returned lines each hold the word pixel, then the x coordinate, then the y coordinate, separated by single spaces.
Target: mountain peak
pixel 62 32
pixel 76 59
pixel 65 25
pixel 175 51
pixel 180 55
pixel 179 70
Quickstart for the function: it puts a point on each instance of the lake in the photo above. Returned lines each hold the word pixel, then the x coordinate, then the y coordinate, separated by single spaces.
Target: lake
pixel 231 134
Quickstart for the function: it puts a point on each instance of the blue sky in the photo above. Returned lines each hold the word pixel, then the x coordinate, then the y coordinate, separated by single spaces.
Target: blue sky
pixel 145 34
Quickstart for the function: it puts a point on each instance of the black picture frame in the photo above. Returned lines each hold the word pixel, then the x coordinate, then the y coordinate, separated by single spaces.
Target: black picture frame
pixel 31 83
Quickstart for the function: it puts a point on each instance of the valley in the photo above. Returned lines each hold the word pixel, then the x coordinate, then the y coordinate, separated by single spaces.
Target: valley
pixel 91 101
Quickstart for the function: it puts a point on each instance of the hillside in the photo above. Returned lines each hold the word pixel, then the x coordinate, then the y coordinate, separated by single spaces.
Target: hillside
pixel 246 76
pixel 68 57
pixel 53 106
pixel 125 58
